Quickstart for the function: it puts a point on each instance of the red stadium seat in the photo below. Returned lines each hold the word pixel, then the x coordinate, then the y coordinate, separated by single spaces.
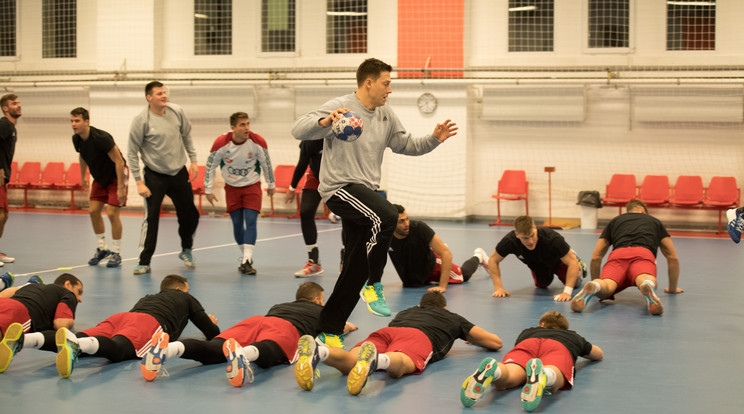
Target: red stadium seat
pixel 654 189
pixel 688 190
pixel 620 190
pixel 722 194
pixel 514 186
pixel 198 186
pixel 283 176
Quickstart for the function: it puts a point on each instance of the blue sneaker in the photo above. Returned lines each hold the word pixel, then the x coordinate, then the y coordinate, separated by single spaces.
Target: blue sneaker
pixel 67 352
pixel 578 303
pixel 476 384
pixel 238 369
pixel 36 279
pixel 532 391
pixel 374 297
pixel 7 279
pixel 735 225
pixel 154 359
pixel 114 260
pixel 188 258
pixel 99 255
pixel 365 366
pixel 11 344
pixel 307 361
pixel 141 269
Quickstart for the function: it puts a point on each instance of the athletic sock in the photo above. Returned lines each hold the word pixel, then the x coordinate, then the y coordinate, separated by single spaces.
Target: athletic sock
pixel 550 376
pixel 101 241
pixel 116 246
pixel 33 340
pixel 88 345
pixel 248 252
pixel 323 352
pixel 383 361
pixel 653 285
pixel 174 349
pixel 312 253
pixel 497 373
pixel 250 352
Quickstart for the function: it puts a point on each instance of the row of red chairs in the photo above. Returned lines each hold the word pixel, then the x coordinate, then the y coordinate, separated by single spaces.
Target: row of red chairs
pixel 688 192
pixel 52 177
pixel 283 179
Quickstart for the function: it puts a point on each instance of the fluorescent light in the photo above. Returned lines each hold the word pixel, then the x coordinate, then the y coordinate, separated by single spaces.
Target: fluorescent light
pixel 201 16
pixel 692 3
pixel 331 13
pixel 524 8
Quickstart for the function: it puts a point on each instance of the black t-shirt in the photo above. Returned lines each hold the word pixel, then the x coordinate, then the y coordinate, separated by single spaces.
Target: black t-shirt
pixel 173 309
pixel 441 326
pixel 8 138
pixel 550 248
pixel 94 151
pixel 311 153
pixel 302 314
pixel 575 343
pixel 635 229
pixel 41 302
pixel 412 257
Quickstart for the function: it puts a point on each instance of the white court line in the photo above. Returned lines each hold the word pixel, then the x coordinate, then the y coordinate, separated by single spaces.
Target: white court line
pixel 218 246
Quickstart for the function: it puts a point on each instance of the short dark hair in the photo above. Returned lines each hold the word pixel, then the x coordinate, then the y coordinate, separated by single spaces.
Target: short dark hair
pixel 173 282
pixel 67 277
pixel 433 298
pixel 554 319
pixel 523 224
pixel 80 111
pixel 150 86
pixel 633 204
pixel 308 291
pixel 7 98
pixel 400 208
pixel 371 68
pixel 234 118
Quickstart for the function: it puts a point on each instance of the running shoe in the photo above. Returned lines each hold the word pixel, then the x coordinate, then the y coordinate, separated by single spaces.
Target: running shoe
pixel 36 279
pixel 652 300
pixel 141 269
pixel 11 344
pixel 67 352
pixel 476 384
pixel 154 359
pixel 365 366
pixel 532 391
pixel 307 361
pixel 735 225
pixel 578 303
pixel 374 297
pixel 188 258
pixel 6 259
pixel 334 341
pixel 99 255
pixel 247 268
pixel 114 260
pixel 582 265
pixel 7 279
pixel 238 367
pixel 482 257
pixel 311 269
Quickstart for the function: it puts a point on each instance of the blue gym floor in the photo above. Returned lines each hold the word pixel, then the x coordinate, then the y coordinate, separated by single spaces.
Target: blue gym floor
pixel 688 360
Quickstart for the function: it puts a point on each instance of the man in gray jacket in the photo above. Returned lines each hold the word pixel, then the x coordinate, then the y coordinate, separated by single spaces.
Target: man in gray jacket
pixel 349 175
pixel 161 136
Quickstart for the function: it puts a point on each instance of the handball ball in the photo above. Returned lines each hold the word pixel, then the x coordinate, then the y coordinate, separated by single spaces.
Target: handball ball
pixel 349 127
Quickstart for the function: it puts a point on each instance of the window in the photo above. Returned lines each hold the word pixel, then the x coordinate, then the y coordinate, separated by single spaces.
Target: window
pixel 59 29
pixel 530 25
pixel 691 25
pixel 346 26
pixel 212 27
pixel 278 26
pixel 609 23
pixel 7 28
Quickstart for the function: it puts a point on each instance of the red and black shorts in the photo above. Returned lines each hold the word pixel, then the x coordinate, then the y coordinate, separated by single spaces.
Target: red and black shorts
pixel 260 328
pixel 550 352
pixel 137 327
pixel 410 341
pixel 12 311
pixel 626 263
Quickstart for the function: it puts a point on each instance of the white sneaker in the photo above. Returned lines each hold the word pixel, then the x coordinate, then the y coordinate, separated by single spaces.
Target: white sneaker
pixel 482 256
pixel 6 259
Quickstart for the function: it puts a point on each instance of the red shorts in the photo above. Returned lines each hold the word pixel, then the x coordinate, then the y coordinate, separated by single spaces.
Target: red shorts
pixel 455 272
pixel 106 195
pixel 243 197
pixel 626 263
pixel 550 352
pixel 311 183
pixel 544 279
pixel 409 341
pixel 260 328
pixel 12 311
pixel 137 327
pixel 4 197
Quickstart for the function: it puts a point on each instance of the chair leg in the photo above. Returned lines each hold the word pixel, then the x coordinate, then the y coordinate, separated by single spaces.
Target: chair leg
pixel 527 207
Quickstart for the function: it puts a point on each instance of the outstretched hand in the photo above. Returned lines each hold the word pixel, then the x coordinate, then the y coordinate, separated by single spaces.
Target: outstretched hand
pixel 445 130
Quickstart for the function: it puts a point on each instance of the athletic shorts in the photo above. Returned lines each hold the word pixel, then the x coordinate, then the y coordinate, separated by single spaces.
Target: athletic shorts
pixel 455 273
pixel 4 197
pixel 12 311
pixel 243 197
pixel 626 263
pixel 311 183
pixel 409 341
pixel 543 279
pixel 550 352
pixel 137 327
pixel 106 195
pixel 261 328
